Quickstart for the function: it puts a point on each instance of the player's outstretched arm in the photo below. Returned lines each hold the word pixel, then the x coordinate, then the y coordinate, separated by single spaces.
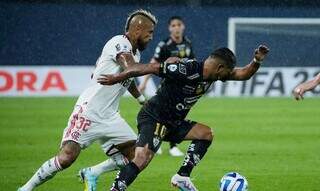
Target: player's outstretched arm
pixel 134 70
pixel 306 86
pixel 249 70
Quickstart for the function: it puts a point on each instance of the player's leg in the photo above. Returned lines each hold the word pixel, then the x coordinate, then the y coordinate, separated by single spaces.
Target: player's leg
pixel 67 155
pixel 143 156
pixel 202 137
pixel 123 153
pixel 149 141
pixel 79 133
pixel 118 142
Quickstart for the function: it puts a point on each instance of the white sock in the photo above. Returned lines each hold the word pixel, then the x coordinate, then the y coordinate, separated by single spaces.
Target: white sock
pixel 115 162
pixel 106 166
pixel 44 173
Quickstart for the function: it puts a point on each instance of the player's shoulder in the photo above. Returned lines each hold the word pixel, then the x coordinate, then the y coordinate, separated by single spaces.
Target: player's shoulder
pixel 168 41
pixel 118 43
pixel 119 39
pixel 163 43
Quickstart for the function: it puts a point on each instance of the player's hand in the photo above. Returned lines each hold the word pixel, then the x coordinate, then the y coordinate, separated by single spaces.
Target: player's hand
pixel 107 79
pixel 172 60
pixel 298 92
pixel 260 53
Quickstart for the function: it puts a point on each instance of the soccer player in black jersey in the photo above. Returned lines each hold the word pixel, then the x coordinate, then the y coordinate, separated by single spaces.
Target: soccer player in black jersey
pixel 176 45
pixel 163 117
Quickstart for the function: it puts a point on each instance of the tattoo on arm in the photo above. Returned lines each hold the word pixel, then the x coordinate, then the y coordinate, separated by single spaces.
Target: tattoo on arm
pixel 134 90
pixel 125 60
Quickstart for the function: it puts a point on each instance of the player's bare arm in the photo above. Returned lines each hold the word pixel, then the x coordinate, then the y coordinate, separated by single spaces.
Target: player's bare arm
pixel 299 91
pixel 214 69
pixel 132 71
pixel 125 60
pixel 249 70
pixel 133 89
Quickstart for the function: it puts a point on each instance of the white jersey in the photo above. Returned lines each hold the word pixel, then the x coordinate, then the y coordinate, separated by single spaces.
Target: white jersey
pixel 102 102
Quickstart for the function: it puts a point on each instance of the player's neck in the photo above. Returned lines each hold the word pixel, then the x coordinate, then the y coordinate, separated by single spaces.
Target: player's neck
pixel 133 43
pixel 177 39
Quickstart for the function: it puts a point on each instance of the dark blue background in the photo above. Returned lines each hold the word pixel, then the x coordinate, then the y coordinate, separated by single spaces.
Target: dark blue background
pixel 74 34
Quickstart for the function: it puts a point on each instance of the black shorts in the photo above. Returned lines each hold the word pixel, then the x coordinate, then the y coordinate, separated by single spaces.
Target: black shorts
pixel 153 132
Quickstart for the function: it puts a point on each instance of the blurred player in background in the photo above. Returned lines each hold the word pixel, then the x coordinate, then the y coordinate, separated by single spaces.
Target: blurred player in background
pixel 306 86
pixel 163 117
pixel 96 114
pixel 176 45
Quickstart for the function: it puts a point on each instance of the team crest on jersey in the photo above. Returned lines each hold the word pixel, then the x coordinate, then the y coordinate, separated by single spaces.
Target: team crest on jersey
pixel 156 141
pixel 199 89
pixel 182 53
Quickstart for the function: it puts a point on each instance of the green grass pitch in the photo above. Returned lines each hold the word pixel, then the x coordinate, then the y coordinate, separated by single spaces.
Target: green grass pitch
pixel 274 142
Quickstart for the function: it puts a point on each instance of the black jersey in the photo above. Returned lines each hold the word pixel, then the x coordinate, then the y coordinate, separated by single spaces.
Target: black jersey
pixel 181 88
pixel 168 48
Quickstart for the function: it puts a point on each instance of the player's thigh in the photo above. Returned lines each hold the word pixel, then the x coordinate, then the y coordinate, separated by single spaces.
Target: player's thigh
pixel 199 131
pixel 150 131
pixel 177 131
pixel 117 135
pixel 80 129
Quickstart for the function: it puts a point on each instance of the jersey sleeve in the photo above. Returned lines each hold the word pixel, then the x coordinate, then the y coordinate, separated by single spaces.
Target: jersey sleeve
pixel 187 71
pixel 160 52
pixel 118 46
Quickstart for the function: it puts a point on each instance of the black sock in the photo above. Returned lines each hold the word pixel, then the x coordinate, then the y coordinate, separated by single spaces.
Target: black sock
pixel 125 177
pixel 172 144
pixel 196 151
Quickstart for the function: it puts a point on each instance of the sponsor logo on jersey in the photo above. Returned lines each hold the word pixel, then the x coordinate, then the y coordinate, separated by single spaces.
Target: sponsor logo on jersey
pixel 118 47
pixel 172 67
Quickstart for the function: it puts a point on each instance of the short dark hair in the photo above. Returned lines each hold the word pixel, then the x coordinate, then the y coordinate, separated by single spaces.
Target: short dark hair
pixel 175 18
pixel 227 55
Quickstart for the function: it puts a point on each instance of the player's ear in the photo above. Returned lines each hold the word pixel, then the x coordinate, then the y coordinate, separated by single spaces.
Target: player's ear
pixel 220 67
pixel 183 26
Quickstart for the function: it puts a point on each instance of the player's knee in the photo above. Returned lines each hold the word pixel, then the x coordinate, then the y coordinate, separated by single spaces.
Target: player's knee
pixel 208 134
pixel 68 155
pixel 66 160
pixel 142 157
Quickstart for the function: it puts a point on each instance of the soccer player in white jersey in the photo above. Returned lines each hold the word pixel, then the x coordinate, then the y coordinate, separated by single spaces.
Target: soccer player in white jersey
pixel 95 116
